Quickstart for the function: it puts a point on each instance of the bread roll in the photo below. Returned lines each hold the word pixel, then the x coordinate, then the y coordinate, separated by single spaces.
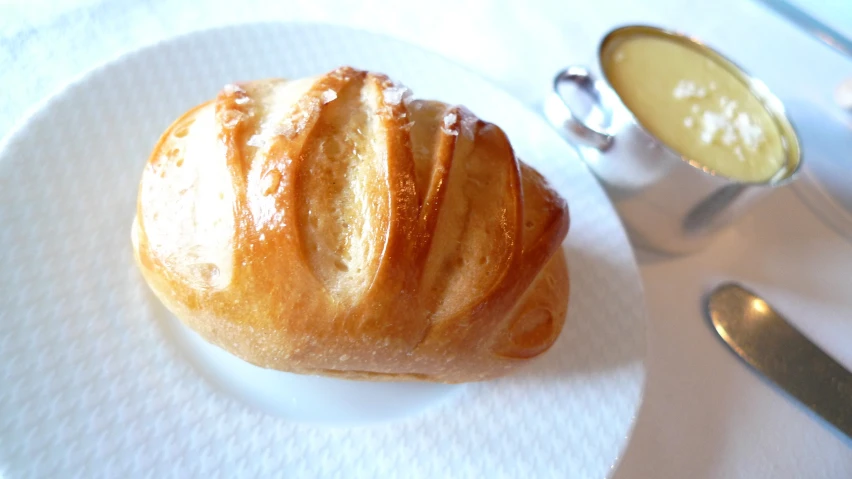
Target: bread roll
pixel 335 226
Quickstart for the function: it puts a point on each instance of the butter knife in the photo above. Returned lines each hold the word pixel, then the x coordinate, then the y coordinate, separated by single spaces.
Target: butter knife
pixel 775 348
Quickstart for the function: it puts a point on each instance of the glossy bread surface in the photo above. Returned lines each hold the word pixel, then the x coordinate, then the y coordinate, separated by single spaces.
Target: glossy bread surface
pixel 334 225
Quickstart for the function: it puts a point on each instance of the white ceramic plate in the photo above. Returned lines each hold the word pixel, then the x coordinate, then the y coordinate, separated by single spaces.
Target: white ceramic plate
pixel 99 380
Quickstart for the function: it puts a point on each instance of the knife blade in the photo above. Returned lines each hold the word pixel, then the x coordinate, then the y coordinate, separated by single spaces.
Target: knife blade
pixel 775 348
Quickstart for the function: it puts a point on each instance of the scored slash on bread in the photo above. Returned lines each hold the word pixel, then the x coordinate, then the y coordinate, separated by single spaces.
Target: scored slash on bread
pixel 334 225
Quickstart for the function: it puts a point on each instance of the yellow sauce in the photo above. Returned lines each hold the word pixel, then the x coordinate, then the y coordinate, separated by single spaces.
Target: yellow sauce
pixel 695 106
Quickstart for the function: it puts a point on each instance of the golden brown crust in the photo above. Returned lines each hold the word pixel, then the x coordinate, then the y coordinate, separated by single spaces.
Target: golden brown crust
pixel 335 226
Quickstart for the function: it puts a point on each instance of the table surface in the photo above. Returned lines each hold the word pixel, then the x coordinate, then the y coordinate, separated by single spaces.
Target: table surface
pixel 705 415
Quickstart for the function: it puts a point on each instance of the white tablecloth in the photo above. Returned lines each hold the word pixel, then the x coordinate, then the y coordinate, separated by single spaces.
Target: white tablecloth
pixel 705 414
